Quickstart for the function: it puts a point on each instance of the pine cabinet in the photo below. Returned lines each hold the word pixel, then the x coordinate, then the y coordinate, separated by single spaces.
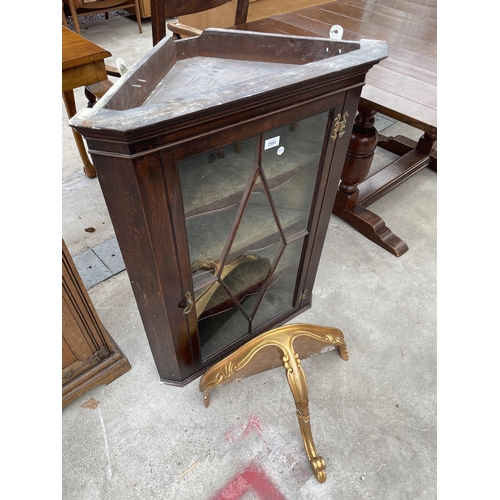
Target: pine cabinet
pixel 90 357
pixel 219 159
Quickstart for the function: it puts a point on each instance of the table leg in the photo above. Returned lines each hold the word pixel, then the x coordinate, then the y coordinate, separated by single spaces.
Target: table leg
pixel 359 156
pixel 426 142
pixel 357 165
pixel 69 102
pixel 401 146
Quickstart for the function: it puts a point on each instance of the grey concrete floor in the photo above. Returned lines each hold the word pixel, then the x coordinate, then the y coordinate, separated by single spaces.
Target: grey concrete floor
pixel 373 417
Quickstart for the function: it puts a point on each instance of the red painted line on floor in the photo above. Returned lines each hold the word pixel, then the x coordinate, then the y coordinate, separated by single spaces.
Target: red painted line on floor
pixel 241 431
pixel 275 446
pixel 252 478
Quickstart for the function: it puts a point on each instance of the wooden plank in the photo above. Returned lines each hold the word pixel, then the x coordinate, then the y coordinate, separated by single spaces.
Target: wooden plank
pixel 321 20
pixel 396 14
pixel 412 65
pixel 382 182
pixel 401 85
pixel 387 20
pixel 218 17
pixel 276 26
pixel 399 108
pixel 68 356
pixel 424 8
pixel 261 9
pixel 404 61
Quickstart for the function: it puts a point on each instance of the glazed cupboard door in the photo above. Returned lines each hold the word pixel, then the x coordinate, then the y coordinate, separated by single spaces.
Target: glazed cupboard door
pixel 248 210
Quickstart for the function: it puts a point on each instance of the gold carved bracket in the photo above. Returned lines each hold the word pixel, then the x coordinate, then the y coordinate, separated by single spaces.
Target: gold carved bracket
pixel 286 341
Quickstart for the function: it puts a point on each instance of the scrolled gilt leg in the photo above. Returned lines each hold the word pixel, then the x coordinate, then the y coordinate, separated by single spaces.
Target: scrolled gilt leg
pixel 238 364
pixel 298 385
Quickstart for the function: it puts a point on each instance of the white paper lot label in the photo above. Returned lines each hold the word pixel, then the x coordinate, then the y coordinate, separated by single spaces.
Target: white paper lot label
pixel 272 143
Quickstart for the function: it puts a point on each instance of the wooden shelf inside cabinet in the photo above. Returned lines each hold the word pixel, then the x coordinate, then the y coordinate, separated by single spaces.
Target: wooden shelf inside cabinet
pixel 219 157
pixel 90 357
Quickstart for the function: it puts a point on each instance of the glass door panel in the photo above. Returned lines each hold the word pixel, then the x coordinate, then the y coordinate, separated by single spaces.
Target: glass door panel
pixel 297 145
pixel 290 161
pixel 280 292
pixel 258 223
pixel 247 209
pixel 221 322
pixel 217 178
pixel 212 188
pixel 294 197
pixel 207 235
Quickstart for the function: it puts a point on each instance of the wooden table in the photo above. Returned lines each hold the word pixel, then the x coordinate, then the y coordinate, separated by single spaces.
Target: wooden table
pixel 404 87
pixel 82 65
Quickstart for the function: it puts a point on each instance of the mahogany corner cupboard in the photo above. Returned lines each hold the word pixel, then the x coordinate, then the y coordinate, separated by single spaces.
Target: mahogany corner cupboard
pixel 219 158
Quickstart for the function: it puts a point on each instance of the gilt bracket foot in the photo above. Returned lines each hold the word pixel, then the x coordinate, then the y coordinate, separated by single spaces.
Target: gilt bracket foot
pixel 238 364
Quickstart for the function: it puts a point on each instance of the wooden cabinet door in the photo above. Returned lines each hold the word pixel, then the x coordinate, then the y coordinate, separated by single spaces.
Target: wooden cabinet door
pixel 250 229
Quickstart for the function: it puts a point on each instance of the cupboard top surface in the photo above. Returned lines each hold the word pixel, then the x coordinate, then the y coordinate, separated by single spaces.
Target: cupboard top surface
pixel 220 67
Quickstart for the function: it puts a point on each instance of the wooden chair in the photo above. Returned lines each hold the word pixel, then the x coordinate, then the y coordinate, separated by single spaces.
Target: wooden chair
pixel 193 16
pixel 79 8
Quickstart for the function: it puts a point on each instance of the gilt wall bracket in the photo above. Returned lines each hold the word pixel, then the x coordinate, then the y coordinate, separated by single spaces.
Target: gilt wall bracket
pixel 290 342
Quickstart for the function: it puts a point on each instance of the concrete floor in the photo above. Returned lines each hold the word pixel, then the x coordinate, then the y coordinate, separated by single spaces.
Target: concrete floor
pixel 373 417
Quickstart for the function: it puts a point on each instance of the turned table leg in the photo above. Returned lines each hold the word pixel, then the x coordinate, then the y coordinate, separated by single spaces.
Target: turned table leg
pixel 359 157
pixel 69 102
pixel 360 153
pixel 238 365
pixel 426 144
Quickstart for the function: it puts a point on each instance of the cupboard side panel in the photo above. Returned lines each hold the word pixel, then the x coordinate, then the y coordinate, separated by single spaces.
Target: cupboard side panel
pixel 118 181
pixel 155 186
